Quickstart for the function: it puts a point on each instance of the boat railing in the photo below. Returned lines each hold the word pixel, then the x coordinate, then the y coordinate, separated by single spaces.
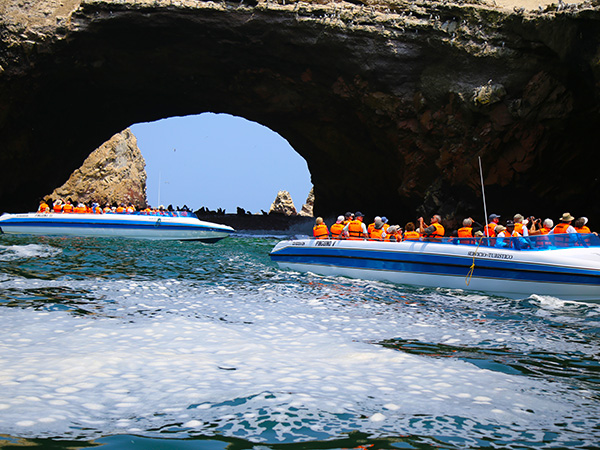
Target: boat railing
pixel 538 242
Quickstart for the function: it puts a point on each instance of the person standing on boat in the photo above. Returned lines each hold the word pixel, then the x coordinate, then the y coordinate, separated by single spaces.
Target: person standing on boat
pixel 435 231
pixel 320 229
pixel 490 228
pixel 565 225
pixel 356 230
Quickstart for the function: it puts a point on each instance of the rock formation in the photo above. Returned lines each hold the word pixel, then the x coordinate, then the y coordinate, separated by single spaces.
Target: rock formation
pixel 114 173
pixel 390 102
pixel 283 204
pixel 307 208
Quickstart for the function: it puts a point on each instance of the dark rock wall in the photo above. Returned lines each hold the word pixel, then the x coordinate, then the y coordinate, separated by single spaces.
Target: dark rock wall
pixel 391 104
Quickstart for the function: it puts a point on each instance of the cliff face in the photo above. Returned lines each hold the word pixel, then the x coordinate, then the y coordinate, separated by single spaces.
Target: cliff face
pixel 390 102
pixel 114 173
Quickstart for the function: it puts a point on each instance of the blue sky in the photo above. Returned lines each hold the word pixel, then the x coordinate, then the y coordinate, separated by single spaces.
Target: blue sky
pixel 219 161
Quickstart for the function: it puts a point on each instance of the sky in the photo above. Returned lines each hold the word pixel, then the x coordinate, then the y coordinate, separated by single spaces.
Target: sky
pixel 219 161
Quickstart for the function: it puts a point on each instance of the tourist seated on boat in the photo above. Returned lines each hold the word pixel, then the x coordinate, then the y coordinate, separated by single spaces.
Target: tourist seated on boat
pixel 565 225
pixel 348 217
pixel 120 209
pixel 410 232
pixel 508 237
pixel 493 221
pixel 43 208
pixel 393 233
pixel 57 206
pixel 106 209
pixel 435 231
pixel 96 209
pixel 356 229
pixel 320 230
pixel 130 209
pixel 80 208
pixel 580 225
pixel 545 227
pixel 376 233
pixel 68 207
pixel 337 228
pixel 520 225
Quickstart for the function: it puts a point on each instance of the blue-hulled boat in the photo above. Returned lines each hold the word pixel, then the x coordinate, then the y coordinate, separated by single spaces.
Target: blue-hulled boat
pixel 180 225
pixel 566 266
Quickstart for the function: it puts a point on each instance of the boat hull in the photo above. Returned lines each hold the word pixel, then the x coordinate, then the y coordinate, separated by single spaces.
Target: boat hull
pixel 569 273
pixel 135 226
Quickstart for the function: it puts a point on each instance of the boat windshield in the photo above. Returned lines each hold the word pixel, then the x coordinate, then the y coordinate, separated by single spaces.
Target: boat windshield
pixel 538 242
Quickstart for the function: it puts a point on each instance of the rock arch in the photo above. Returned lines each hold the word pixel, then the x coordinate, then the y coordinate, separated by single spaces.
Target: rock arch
pixel 389 102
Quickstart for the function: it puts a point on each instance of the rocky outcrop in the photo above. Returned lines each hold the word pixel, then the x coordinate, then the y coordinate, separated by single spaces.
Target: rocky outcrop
pixel 390 102
pixel 307 208
pixel 283 204
pixel 113 174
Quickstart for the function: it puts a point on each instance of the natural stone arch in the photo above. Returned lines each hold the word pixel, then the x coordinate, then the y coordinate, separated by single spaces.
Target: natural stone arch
pixel 390 103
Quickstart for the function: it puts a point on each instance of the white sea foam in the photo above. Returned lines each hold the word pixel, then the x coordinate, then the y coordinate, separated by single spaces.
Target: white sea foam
pixel 16 252
pixel 262 364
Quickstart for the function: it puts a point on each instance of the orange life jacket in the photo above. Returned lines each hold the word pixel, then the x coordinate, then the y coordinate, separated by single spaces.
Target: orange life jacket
pixel 68 208
pixel 376 234
pixel 80 209
pixel 97 210
pixel 370 228
pixel 411 235
pixel 355 230
pixel 439 232
pixel 43 208
pixel 519 228
pixel 57 208
pixel 394 237
pixel 465 232
pixel 489 229
pixel 120 209
pixel 320 231
pixel 336 230
pixel 583 229
pixel 561 228
pixel 544 230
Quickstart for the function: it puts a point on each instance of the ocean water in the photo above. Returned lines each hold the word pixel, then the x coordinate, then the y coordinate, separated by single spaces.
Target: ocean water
pixel 168 345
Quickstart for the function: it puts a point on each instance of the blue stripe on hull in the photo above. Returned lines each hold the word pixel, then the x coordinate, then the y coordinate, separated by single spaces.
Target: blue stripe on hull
pixel 111 225
pixel 436 265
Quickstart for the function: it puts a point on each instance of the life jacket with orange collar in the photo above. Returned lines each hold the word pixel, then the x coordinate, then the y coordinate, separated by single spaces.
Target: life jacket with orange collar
pixel 57 208
pixel 393 237
pixel 561 228
pixel 120 210
pixel 355 230
pixel 544 230
pixel 336 230
pixel 320 231
pixel 465 232
pixel 583 229
pixel 44 208
pixel 68 208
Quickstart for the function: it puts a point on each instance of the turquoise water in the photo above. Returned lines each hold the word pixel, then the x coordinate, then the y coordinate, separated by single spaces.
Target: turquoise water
pixel 168 345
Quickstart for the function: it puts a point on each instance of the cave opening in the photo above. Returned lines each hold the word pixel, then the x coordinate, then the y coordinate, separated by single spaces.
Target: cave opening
pixel 219 161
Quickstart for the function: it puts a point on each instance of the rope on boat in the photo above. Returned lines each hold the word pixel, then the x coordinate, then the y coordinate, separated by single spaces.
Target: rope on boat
pixel 472 268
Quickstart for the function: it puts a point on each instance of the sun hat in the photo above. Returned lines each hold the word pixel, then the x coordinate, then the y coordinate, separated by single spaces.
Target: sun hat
pixel 340 219
pixel 518 217
pixel 499 229
pixel 494 216
pixel 566 217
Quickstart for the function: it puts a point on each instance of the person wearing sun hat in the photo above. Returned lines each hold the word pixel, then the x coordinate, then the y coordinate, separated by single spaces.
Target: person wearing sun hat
pixel 565 225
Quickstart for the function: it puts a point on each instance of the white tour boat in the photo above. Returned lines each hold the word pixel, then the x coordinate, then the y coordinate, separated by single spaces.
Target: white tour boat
pixel 179 225
pixel 566 266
